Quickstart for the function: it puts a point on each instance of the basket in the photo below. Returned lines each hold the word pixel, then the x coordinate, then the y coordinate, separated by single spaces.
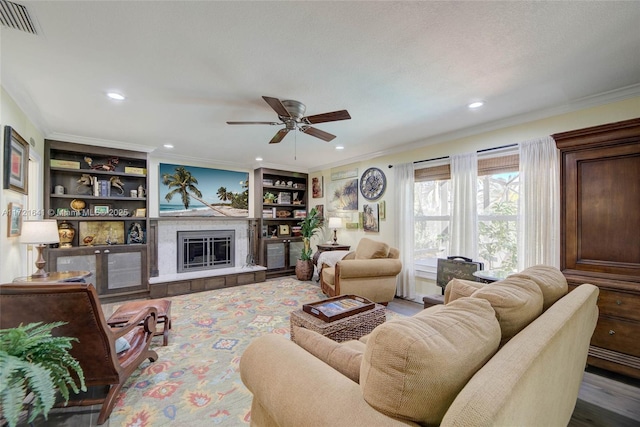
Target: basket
pixel 345 329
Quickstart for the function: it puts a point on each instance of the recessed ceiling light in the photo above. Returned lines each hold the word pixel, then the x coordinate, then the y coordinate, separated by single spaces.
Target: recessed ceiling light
pixel 476 104
pixel 116 96
pixel 339 147
pixel 168 145
pixel 258 159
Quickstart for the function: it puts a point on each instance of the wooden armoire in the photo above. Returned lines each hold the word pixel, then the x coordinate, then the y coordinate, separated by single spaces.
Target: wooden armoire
pixel 600 229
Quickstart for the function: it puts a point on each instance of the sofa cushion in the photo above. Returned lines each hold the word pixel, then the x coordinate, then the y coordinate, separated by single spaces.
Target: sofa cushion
pixel 516 301
pixel 459 288
pixel 345 359
pixel 551 281
pixel 369 249
pixel 414 367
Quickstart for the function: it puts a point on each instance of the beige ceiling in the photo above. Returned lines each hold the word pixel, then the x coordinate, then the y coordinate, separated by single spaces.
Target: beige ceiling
pixel 404 70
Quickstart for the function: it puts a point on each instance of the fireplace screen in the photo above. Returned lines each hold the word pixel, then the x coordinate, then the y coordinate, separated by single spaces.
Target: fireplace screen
pixel 205 250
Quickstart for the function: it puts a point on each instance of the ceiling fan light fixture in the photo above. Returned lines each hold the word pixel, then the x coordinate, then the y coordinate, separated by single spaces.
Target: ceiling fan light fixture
pixel 291 115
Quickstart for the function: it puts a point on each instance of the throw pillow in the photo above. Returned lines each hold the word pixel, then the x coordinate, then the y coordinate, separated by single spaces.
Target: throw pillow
pixel 516 301
pixel 343 358
pixel 369 249
pixel 122 345
pixel 551 281
pixel 459 288
pixel 413 368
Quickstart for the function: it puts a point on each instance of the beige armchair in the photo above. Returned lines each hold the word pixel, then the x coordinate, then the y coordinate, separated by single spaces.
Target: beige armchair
pixel 369 272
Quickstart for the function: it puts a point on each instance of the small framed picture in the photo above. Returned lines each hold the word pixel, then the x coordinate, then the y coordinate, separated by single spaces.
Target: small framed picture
pixel 284 230
pixel 140 213
pixel 16 161
pixel 100 210
pixel 317 187
pixel 15 220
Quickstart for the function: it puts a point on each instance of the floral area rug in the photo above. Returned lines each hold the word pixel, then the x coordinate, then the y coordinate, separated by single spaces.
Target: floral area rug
pixel 196 379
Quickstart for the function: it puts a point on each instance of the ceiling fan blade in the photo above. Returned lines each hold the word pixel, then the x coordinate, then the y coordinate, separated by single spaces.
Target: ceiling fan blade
pixel 334 116
pixel 254 123
pixel 317 133
pixel 277 106
pixel 279 135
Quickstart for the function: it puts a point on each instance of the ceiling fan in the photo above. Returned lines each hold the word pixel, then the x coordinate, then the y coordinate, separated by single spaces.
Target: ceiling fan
pixel 291 114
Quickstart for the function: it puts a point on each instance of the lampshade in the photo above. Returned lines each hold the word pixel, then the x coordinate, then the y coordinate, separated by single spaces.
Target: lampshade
pixel 43 231
pixel 335 222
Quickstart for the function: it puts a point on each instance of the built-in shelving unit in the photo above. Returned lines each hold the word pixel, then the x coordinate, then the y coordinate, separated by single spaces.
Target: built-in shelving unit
pixel 100 194
pixel 280 240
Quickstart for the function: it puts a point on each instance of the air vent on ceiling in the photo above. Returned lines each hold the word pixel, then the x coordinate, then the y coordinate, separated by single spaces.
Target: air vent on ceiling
pixel 14 15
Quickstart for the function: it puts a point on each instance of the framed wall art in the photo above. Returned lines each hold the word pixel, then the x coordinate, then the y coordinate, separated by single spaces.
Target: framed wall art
pixel 196 191
pixel 16 161
pixel 343 195
pixel 317 187
pixel 371 220
pixel 14 215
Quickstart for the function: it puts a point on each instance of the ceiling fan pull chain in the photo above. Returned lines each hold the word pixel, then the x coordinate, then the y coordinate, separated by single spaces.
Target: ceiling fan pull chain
pixel 295 145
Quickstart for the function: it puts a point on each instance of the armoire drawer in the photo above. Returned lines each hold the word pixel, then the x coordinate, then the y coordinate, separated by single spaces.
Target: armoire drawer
pixel 617 335
pixel 619 304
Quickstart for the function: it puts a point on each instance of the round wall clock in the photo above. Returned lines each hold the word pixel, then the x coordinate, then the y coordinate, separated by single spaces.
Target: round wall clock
pixel 373 183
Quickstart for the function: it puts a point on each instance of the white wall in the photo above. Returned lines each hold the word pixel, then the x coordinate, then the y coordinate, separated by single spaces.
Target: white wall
pixel 13 256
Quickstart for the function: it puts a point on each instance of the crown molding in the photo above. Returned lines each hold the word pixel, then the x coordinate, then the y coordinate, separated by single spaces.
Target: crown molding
pixel 99 142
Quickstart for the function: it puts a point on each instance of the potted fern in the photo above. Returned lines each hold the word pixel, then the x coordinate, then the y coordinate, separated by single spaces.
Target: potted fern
pixel 309 226
pixel 34 365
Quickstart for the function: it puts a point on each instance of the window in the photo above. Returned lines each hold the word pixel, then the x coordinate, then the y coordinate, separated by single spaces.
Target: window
pixel 497 201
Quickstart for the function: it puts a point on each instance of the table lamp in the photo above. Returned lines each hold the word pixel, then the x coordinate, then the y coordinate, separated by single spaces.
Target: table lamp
pixel 335 223
pixel 40 233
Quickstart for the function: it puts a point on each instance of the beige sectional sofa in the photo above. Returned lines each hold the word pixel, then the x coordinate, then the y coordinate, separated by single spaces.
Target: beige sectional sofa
pixel 504 354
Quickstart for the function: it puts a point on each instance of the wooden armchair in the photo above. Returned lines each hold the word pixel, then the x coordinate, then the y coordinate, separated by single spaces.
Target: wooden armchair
pixel 79 306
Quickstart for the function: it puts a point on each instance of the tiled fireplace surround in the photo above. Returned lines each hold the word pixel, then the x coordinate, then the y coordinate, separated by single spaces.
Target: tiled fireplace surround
pixel 166 281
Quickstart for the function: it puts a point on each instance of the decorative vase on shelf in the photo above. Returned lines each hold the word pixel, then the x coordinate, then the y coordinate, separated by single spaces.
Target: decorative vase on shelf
pixel 66 233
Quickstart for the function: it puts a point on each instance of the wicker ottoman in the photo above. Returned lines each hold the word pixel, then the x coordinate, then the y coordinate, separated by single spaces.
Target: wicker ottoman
pixel 129 309
pixel 345 329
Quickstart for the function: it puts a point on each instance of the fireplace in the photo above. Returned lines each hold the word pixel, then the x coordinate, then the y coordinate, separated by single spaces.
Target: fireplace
pixel 205 250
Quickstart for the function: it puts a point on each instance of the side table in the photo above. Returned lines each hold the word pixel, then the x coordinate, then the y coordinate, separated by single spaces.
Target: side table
pixel 328 247
pixel 55 277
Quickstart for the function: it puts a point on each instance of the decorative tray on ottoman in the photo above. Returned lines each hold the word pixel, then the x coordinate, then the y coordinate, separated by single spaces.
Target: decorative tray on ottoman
pixel 336 308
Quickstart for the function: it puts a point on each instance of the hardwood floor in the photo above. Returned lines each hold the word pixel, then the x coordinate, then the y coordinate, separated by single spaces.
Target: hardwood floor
pixel 605 399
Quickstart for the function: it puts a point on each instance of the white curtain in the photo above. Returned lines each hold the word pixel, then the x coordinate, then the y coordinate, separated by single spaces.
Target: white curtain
pixel 539 231
pixel 404 178
pixel 464 209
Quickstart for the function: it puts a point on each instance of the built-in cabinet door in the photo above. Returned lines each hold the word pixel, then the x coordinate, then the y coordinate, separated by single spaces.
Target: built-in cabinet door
pixel 114 269
pixel 281 255
pixel 86 260
pixel 125 268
